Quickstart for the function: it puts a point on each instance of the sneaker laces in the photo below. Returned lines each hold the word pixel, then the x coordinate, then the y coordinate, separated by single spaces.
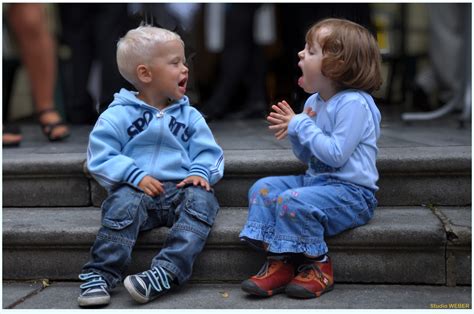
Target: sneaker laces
pixel 158 277
pixel 93 280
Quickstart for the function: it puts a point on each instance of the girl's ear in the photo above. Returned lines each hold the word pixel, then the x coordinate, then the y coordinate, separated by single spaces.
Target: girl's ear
pixel 143 74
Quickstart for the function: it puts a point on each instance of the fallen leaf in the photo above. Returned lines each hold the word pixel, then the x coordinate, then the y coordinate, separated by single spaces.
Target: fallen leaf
pixel 224 294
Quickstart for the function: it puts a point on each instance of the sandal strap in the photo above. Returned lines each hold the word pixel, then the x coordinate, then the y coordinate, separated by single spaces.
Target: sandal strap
pixel 44 111
pixel 49 127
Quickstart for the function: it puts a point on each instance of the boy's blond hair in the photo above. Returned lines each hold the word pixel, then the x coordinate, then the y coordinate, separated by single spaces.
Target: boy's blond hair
pixel 351 56
pixel 138 46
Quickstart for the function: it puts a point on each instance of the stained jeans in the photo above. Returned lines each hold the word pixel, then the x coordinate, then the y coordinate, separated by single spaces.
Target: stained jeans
pixel 293 214
pixel 188 212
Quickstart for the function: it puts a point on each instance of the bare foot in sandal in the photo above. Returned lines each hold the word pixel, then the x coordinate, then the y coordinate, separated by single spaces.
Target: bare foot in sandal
pixel 11 136
pixel 52 125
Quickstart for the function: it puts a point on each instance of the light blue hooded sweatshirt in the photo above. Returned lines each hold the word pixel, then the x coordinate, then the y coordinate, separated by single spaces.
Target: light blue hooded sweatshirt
pixel 132 139
pixel 341 140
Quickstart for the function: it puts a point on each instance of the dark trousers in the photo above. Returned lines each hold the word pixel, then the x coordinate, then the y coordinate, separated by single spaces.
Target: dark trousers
pixel 92 32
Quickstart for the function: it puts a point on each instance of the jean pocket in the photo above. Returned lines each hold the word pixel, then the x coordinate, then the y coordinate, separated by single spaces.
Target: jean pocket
pixel 201 205
pixel 120 209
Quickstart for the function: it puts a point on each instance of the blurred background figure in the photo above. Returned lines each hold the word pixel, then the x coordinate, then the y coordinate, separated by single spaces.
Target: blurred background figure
pixel 29 30
pixel 239 90
pixel 91 31
pixel 441 80
pixel 242 56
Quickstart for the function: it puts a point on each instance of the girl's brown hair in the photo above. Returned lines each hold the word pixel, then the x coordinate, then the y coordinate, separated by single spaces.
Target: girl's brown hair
pixel 351 57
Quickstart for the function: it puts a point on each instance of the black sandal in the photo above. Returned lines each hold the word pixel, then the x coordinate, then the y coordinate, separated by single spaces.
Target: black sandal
pixel 48 128
pixel 13 130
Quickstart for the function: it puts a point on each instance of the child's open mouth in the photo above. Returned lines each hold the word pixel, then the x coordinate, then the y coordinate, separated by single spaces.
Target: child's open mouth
pixel 301 80
pixel 182 85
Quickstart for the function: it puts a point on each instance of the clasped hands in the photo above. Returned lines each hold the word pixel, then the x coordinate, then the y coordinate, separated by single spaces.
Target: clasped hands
pixel 154 187
pixel 281 116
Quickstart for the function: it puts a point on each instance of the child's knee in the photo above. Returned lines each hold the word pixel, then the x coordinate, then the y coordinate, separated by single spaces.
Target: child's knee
pixel 201 204
pixel 122 208
pixel 288 197
pixel 260 187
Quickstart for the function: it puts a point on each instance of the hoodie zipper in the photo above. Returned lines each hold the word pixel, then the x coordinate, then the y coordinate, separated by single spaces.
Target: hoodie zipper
pixel 159 141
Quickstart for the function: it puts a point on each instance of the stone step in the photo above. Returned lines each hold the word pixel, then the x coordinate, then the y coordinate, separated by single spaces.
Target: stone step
pixel 400 245
pixel 63 295
pixel 410 176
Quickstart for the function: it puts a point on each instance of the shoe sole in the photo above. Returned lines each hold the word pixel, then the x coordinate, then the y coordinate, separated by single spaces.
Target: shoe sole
pixel 252 288
pixel 98 301
pixel 133 292
pixel 296 291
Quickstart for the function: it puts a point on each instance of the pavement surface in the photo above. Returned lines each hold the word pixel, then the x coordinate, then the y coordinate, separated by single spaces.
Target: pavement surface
pixel 254 134
pixel 63 295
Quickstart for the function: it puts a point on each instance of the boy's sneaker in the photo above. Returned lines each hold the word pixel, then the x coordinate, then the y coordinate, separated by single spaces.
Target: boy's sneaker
pixel 93 291
pixel 313 279
pixel 148 285
pixel 271 279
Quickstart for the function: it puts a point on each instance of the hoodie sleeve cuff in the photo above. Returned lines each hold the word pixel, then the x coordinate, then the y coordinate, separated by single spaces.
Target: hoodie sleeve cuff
pixel 199 171
pixel 135 175
pixel 295 122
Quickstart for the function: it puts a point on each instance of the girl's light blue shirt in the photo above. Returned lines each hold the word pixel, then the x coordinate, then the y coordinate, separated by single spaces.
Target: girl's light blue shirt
pixel 341 140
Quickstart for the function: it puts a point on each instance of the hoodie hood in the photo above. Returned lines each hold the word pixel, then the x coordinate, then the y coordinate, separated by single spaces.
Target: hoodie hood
pixel 129 98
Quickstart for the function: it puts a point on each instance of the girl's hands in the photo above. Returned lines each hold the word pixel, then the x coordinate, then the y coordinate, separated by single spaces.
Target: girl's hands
pixel 310 112
pixel 280 119
pixel 282 116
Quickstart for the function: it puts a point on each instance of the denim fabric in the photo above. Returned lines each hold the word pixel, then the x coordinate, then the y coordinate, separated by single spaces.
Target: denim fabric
pixel 188 212
pixel 293 214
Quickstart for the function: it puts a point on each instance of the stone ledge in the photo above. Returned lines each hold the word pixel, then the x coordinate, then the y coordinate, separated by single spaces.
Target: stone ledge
pixel 399 245
pixel 456 159
pixel 415 176
pixel 457 224
pixel 391 227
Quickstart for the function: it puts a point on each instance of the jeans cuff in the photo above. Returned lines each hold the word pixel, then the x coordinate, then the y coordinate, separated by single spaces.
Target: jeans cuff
pixel 172 269
pixel 309 246
pixel 257 231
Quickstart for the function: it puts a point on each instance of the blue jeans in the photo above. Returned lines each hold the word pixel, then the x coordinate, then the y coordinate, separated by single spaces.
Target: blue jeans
pixel 293 214
pixel 188 212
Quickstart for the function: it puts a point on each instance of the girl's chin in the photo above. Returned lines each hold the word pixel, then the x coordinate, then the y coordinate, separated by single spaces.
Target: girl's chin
pixel 301 83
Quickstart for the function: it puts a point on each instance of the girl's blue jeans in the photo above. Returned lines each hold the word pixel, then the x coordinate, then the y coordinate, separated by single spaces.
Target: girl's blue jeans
pixel 189 213
pixel 294 214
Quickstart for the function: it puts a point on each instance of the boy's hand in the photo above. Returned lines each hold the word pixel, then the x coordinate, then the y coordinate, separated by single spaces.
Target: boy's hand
pixel 151 186
pixel 196 181
pixel 280 119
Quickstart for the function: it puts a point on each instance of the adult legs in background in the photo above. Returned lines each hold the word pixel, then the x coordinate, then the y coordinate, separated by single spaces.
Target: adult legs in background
pixel 29 25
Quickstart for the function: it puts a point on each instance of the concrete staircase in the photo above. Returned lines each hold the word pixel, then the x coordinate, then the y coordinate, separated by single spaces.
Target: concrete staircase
pixel 421 232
